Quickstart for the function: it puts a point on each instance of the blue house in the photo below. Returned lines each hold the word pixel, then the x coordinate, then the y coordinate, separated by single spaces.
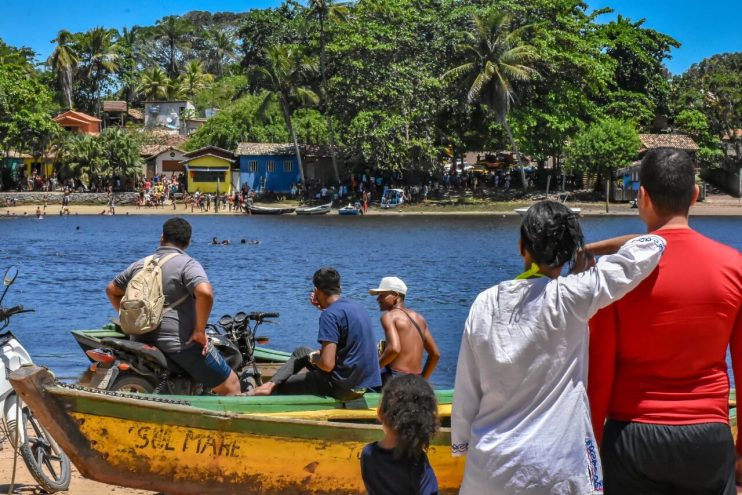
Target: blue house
pixel 268 167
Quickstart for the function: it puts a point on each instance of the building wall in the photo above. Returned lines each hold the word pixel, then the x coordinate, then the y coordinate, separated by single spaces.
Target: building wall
pixel 165 110
pixel 167 156
pixel 259 178
pixel 221 170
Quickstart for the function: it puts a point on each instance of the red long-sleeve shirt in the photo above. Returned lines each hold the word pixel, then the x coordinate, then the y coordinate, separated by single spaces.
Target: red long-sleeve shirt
pixel 658 354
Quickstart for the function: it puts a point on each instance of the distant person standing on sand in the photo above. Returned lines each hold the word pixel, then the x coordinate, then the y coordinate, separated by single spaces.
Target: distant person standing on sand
pixel 520 411
pixel 407 334
pixel 659 373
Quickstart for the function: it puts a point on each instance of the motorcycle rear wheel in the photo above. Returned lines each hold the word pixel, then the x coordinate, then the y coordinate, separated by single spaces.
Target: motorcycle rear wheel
pixel 49 466
pixel 132 384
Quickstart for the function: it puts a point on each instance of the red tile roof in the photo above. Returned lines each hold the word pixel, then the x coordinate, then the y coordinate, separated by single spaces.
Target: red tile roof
pixel 679 141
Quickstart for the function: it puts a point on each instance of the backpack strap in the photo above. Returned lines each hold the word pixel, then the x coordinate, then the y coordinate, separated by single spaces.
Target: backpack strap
pixel 414 323
pixel 160 263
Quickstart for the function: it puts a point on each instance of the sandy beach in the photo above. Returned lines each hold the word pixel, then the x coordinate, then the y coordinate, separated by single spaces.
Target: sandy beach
pixel 714 205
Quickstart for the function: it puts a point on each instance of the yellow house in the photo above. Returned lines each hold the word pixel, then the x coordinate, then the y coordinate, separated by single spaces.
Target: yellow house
pixel 208 170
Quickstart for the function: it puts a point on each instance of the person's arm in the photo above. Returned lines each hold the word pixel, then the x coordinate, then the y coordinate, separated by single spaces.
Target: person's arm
pixel 393 345
pixel 326 357
pixel 467 394
pixel 115 294
pixel 431 348
pixel 608 246
pixel 735 345
pixel 601 366
pixel 204 296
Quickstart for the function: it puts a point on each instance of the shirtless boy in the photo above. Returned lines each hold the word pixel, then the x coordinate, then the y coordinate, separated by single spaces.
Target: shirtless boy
pixel 407 334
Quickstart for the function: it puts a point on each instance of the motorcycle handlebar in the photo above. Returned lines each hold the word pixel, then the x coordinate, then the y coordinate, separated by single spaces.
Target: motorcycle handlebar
pixel 261 316
pixel 6 313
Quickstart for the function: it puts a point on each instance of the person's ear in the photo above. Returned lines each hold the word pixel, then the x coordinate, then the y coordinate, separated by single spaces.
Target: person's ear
pixel 645 201
pixel 696 193
pixel 521 249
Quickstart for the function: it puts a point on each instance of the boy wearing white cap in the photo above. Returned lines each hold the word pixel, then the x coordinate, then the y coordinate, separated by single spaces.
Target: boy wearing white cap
pixel 407 334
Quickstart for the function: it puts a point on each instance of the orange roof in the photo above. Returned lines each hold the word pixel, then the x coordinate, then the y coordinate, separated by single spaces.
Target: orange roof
pixel 77 116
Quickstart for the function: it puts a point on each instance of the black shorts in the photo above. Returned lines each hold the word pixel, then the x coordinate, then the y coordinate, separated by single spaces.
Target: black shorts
pixel 643 459
pixel 211 369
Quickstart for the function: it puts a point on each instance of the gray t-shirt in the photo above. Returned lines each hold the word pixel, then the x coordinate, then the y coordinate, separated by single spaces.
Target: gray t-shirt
pixel 180 276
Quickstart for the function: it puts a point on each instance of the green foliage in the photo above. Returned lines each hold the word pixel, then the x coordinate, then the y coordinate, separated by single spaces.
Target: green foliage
pixel 242 122
pixel 94 159
pixel 606 145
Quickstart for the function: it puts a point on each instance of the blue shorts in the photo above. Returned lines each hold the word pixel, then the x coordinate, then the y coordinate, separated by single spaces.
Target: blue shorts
pixel 211 370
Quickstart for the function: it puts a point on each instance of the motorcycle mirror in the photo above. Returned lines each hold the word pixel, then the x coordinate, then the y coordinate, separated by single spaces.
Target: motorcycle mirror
pixel 10 275
pixel 240 317
pixel 225 320
pixel 262 340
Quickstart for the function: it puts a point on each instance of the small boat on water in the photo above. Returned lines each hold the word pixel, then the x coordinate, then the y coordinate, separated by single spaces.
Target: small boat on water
pixel 522 211
pixel 350 210
pixel 314 210
pixel 268 210
pixel 220 445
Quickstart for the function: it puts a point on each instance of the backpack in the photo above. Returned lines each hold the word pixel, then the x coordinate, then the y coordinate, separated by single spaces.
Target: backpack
pixel 143 303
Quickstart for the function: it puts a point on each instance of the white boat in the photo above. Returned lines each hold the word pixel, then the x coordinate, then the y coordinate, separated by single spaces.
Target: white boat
pixel 522 211
pixel 350 210
pixel 314 210
pixel 267 210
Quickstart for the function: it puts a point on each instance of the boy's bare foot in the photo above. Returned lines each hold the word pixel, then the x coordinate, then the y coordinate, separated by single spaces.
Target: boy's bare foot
pixel 264 389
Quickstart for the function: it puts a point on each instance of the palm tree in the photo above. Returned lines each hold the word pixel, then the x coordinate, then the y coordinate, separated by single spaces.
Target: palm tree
pixel 286 66
pixel 173 30
pixel 324 10
pixel 222 49
pixel 153 83
pixel 193 79
pixel 498 58
pixel 63 62
pixel 127 48
pixel 100 57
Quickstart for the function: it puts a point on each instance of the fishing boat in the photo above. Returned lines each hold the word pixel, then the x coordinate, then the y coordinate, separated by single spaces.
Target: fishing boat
pixel 268 210
pixel 219 445
pixel 350 210
pixel 522 211
pixel 314 210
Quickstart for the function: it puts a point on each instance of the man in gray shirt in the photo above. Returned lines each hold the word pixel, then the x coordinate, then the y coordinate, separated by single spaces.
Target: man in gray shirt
pixel 182 332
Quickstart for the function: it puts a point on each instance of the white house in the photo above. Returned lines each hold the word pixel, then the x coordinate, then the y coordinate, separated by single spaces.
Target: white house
pixel 167 114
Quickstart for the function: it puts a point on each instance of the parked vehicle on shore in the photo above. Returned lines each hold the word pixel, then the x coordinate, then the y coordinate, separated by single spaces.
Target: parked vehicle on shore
pixel 120 364
pixel 46 462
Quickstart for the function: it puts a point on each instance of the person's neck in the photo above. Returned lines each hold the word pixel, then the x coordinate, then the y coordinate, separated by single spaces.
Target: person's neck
pixel 389 441
pixel 670 222
pixel 331 299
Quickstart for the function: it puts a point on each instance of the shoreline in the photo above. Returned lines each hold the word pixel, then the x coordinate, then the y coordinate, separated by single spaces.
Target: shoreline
pixel 725 207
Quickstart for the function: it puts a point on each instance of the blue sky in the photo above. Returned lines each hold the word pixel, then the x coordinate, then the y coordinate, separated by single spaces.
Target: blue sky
pixel 703 28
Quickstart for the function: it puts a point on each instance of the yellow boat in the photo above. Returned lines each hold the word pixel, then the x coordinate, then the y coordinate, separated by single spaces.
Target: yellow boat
pixel 212 445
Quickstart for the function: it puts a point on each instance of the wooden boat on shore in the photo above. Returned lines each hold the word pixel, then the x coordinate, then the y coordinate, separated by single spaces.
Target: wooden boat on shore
pixel 269 210
pixel 219 445
pixel 314 210
pixel 350 210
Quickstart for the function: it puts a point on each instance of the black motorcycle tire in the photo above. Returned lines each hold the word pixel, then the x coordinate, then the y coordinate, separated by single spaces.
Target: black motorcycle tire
pixel 248 383
pixel 46 462
pixel 132 384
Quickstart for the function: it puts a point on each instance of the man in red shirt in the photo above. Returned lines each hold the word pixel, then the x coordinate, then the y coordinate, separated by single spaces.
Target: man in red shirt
pixel 658 372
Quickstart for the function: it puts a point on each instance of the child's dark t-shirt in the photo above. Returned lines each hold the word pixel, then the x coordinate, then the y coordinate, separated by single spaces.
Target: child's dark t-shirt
pixel 385 475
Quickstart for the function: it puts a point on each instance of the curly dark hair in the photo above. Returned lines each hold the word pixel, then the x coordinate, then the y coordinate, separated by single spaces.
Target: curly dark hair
pixel 409 407
pixel 551 232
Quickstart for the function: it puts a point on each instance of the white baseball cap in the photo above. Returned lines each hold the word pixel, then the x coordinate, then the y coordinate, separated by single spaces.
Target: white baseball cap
pixel 390 284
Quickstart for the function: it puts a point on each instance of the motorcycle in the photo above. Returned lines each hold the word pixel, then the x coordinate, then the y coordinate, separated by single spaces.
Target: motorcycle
pixel 122 365
pixel 46 462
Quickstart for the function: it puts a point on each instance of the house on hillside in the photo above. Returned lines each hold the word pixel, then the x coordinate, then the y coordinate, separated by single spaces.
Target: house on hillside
pixel 209 170
pixel 273 167
pixel 627 186
pixel 167 161
pixel 167 114
pixel 117 114
pixel 78 122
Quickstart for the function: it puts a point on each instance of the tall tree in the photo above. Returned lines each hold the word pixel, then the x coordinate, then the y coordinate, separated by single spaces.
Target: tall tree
pixel 99 56
pixel 324 10
pixel 153 84
pixel 63 62
pixel 174 31
pixel 498 57
pixel 127 45
pixel 222 47
pixel 193 79
pixel 282 77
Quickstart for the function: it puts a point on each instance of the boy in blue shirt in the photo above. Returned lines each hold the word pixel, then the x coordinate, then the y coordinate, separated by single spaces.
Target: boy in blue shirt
pixel 347 362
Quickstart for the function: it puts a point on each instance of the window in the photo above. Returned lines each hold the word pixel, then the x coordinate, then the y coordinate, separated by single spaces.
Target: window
pixel 208 176
pixel 252 166
pixel 288 165
pixel 271 166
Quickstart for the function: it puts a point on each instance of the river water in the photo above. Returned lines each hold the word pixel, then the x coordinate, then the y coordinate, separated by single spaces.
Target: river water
pixel 66 263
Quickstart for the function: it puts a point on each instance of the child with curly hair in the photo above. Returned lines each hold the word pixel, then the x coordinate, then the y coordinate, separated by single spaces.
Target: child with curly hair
pixel 398 464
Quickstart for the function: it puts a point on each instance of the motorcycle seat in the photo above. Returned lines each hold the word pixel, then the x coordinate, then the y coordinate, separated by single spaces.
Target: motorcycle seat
pixel 134 347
